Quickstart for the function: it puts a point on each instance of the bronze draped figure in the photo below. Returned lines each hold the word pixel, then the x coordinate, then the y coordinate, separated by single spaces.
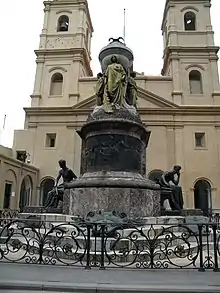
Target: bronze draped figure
pixel 114 88
pixel 131 97
pixel 99 89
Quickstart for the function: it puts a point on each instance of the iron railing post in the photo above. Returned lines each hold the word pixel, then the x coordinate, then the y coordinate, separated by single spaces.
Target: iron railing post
pixel 88 246
pixel 102 261
pixel 201 264
pixel 214 229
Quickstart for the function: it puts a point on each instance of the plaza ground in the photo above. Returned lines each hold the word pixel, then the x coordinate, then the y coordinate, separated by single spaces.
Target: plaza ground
pixel 41 278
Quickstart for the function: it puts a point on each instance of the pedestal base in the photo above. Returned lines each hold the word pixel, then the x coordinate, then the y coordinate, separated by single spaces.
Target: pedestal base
pixel 134 196
pixel 43 220
pixel 42 210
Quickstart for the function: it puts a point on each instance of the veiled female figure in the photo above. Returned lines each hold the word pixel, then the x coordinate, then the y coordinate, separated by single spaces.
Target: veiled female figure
pixel 99 89
pixel 132 90
pixel 115 85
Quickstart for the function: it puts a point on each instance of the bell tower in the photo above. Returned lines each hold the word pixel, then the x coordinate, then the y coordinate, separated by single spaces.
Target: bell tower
pixel 190 54
pixel 64 53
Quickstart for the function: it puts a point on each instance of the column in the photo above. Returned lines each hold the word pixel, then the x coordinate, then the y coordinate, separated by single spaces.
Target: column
pixel 171 23
pixel 216 192
pixel 77 153
pixel 37 94
pixel 38 77
pixel 215 75
pixel 19 181
pixel 89 42
pixel 43 38
pixel 46 15
pixel 170 147
pixel 34 198
pixel 176 75
pixel 209 197
pixel 37 200
pixel 179 160
pixel 73 76
pixel 2 185
pixel 179 157
pixel 81 27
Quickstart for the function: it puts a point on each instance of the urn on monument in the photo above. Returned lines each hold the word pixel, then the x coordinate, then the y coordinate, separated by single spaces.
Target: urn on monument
pixel 116 48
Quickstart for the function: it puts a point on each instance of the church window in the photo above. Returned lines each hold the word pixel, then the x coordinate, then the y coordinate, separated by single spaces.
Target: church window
pixel 50 140
pixel 195 82
pixel 56 86
pixel 63 23
pixel 190 21
pixel 200 140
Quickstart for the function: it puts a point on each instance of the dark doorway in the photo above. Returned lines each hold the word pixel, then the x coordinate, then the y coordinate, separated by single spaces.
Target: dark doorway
pixel 7 196
pixel 203 196
pixel 23 196
pixel 25 192
pixel 46 186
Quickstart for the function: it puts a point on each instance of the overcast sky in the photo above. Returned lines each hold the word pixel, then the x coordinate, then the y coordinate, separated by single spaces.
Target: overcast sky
pixel 22 22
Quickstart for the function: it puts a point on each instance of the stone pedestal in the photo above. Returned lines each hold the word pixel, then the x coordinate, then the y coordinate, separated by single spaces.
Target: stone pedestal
pixel 133 196
pixel 113 168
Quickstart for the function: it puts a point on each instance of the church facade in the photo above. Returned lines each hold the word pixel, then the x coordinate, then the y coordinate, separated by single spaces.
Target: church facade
pixel 181 106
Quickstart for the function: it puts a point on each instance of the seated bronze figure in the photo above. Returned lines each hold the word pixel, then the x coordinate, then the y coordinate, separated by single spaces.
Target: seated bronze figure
pixel 56 194
pixel 168 182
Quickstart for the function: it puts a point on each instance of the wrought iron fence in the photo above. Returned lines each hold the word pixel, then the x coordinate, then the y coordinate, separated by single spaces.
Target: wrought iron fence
pixel 215 218
pixel 6 215
pixel 105 245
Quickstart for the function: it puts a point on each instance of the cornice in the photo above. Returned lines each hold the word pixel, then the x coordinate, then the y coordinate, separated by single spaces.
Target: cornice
pixel 19 164
pixel 214 94
pixel 181 111
pixel 169 124
pixel 177 93
pixel 74 95
pixel 65 2
pixel 46 6
pixel 61 34
pixel 36 96
pixel 187 33
pixel 88 79
pixel 154 78
pixel 72 52
pixel 198 49
pixel 142 77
